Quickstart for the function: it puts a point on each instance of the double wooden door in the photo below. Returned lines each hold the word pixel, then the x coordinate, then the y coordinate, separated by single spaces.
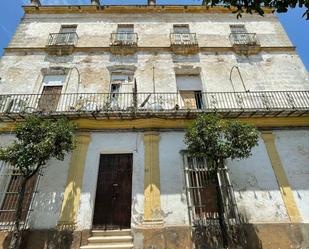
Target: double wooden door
pixel 114 189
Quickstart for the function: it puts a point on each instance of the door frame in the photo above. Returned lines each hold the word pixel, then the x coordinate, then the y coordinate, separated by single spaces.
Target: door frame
pixel 108 152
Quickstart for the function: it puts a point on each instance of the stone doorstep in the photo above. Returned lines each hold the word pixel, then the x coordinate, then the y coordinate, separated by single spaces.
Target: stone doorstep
pixel 108 246
pixel 111 232
pixel 110 239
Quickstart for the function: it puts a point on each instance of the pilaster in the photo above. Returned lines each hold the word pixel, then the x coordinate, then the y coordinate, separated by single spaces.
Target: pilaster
pixel 152 203
pixel 285 188
pixel 74 183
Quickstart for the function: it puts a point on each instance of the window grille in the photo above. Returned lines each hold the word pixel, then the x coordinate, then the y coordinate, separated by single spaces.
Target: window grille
pixel 10 180
pixel 211 203
pixel 204 184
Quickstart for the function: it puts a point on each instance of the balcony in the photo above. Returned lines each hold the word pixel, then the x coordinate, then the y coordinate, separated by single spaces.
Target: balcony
pixel 128 105
pixel 123 43
pixel 61 43
pixel 245 43
pixel 184 43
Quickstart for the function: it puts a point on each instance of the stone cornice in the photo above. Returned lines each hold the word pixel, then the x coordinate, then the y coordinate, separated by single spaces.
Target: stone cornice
pixel 66 9
pixel 149 49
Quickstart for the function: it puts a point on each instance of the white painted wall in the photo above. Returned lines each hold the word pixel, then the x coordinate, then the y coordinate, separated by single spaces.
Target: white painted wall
pixel 256 189
pixel 48 200
pixel 110 143
pixel 293 148
pixel 173 194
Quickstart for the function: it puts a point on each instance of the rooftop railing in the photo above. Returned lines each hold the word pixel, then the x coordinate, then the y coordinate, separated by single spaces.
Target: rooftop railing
pixel 241 38
pixel 124 39
pixel 183 39
pixel 63 39
pixel 265 103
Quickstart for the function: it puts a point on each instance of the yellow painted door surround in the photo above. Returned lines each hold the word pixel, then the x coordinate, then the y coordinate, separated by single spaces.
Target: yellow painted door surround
pixel 152 203
pixel 285 188
pixel 74 183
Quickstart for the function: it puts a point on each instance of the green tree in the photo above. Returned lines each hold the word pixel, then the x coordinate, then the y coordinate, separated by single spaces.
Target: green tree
pixel 254 6
pixel 37 141
pixel 219 139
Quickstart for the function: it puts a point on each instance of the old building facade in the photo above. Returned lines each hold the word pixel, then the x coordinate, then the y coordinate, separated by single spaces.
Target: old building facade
pixel 133 78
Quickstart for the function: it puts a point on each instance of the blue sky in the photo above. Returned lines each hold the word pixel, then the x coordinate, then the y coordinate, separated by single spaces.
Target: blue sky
pixel 11 12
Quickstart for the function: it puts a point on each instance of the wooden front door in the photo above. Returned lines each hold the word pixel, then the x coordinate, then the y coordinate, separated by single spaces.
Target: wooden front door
pixel 49 99
pixel 114 189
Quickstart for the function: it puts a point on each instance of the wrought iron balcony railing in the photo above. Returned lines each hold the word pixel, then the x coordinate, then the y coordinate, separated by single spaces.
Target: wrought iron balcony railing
pixel 265 103
pixel 124 39
pixel 63 39
pixel 244 39
pixel 184 39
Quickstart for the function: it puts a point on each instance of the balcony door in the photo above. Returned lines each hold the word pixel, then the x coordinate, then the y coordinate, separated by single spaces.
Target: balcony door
pixel 125 33
pixel 239 34
pixel 114 190
pixel 190 90
pixel 52 87
pixel 66 34
pixel 121 90
pixel 181 33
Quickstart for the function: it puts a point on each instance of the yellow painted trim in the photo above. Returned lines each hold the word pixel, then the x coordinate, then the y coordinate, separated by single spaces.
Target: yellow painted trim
pixel 73 187
pixel 152 203
pixel 65 9
pixel 157 123
pixel 285 188
pixel 160 123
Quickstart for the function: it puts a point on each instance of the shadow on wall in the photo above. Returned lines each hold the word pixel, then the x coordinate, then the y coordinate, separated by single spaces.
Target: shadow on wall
pixel 242 235
pixel 41 239
pixel 46 208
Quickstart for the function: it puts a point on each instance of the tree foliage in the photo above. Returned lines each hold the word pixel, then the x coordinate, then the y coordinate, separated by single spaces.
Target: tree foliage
pixel 255 6
pixel 37 141
pixel 218 139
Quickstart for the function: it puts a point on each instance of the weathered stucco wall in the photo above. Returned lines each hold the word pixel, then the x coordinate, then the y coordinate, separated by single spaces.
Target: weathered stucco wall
pixel 48 198
pixel 267 71
pixel 256 189
pixel 153 29
pixel 293 148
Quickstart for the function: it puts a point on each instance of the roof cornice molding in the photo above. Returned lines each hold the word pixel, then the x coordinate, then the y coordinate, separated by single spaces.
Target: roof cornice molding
pixel 72 9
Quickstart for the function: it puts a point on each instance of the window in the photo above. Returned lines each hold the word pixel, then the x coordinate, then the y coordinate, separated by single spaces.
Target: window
pixel 181 29
pixel 10 180
pixel 52 87
pixel 190 89
pixel 66 34
pixel 181 34
pixel 209 192
pixel 125 32
pixel 121 89
pixel 239 28
pixel 239 34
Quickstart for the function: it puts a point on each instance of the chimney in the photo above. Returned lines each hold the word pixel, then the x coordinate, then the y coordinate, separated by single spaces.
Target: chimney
pixel 95 2
pixel 36 3
pixel 151 2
